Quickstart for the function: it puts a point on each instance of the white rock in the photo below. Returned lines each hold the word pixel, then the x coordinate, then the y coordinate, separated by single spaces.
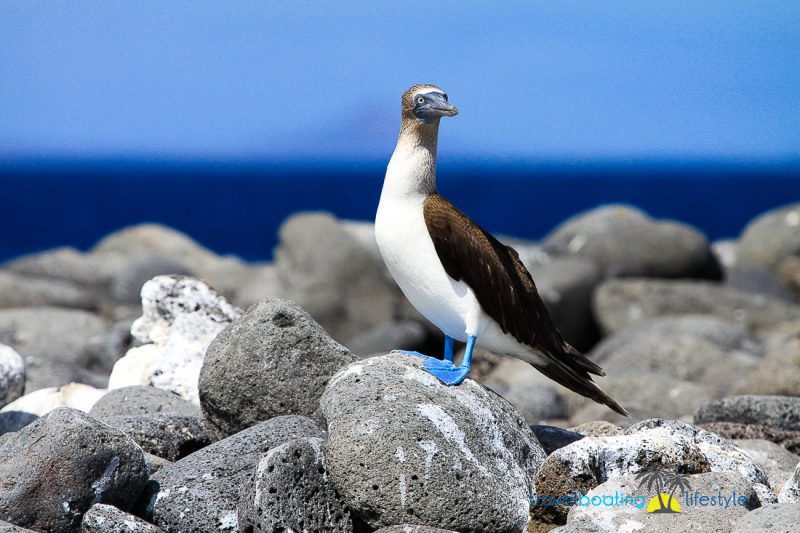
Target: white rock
pixel 180 318
pixel 791 491
pixel 12 375
pixel 40 402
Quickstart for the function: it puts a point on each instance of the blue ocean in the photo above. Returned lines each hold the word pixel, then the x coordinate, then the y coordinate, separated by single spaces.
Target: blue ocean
pixel 237 208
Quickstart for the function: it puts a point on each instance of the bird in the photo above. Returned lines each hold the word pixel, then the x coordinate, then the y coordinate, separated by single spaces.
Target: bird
pixel 467 283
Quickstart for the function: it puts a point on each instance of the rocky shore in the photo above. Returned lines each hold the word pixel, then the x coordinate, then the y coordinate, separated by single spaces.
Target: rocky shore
pixel 149 384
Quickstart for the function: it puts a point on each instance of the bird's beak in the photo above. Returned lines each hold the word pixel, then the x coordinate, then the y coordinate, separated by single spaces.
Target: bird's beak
pixel 441 107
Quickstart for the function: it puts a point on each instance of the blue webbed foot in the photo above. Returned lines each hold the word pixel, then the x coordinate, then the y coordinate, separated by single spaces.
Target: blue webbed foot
pixel 446 371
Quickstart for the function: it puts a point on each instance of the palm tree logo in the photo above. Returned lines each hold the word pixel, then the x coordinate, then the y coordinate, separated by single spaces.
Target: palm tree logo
pixel 660 481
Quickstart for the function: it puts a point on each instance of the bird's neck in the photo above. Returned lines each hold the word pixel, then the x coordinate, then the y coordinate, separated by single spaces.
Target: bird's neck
pixel 412 169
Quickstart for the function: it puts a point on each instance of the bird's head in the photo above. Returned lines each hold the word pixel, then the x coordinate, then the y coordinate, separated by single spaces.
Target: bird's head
pixel 426 104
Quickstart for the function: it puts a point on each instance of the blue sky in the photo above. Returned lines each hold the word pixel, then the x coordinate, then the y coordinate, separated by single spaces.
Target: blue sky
pixel 304 80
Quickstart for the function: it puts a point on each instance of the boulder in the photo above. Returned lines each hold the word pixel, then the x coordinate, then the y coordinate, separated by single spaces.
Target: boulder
pixel 403 446
pixel 142 400
pixel 403 334
pixel 257 283
pixel 102 518
pixel 777 373
pixel 6 527
pixel 274 360
pixel 634 513
pixel 126 287
pixel 12 375
pixel 291 491
pixel 52 337
pixel 620 303
pixel 597 428
pixel 775 518
pixel 69 264
pixel 778 462
pixel 670 446
pixel 411 528
pixel 17 290
pixel 759 280
pixel 56 468
pixel 789 272
pixel 180 318
pixel 552 438
pixel 779 412
pixel 165 435
pixel 624 241
pixel 201 491
pixel 771 237
pixel 330 273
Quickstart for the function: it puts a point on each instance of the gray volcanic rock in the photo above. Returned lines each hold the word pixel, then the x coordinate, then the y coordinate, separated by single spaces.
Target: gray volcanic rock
pixel 632 517
pixel 779 412
pixel 12 375
pixel 775 518
pixel 166 435
pixel 771 237
pixel 201 491
pixel 566 285
pixel 328 270
pixel 6 527
pixel 405 335
pixel 69 264
pixel 402 445
pixel 533 395
pixel 411 528
pixel 552 438
pixel 652 444
pixel 56 468
pixel 727 335
pixel 103 518
pixel 274 360
pixel 734 430
pixel 620 303
pixel 778 462
pixel 759 280
pixel 777 373
pixel 624 241
pixel 291 491
pixel 49 336
pixel 22 291
pixel 142 400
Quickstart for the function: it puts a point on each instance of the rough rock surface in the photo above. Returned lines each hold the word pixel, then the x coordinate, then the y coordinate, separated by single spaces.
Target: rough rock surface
pixel 411 528
pixel 68 264
pixel 274 360
pixel 620 303
pixel 624 241
pixel 291 490
pixel 778 462
pixel 127 284
pixel 779 412
pixel 775 518
pixel 166 435
pixel 180 318
pixel 55 469
pixel 771 237
pixel 201 491
pixel 668 445
pixel 630 517
pixel 734 430
pixel 12 375
pixel 142 400
pixel 552 438
pixel 403 334
pixel 102 518
pixel 402 445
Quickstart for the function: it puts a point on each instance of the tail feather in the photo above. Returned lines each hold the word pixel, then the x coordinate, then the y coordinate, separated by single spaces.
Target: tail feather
pixel 577 379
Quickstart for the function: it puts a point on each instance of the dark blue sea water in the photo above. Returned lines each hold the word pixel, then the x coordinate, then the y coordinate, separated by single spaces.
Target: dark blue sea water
pixel 237 207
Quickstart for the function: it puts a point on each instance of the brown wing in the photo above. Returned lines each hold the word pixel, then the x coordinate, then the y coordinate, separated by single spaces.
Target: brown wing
pixel 506 292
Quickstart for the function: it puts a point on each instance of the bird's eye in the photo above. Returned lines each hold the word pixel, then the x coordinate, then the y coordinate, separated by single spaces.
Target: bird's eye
pixel 420 100
pixel 444 96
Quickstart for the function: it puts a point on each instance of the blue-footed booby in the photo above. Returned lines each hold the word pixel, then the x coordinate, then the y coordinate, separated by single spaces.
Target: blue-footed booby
pixel 467 283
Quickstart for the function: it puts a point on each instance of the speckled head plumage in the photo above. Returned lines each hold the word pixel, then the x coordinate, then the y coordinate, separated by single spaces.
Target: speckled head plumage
pixel 425 103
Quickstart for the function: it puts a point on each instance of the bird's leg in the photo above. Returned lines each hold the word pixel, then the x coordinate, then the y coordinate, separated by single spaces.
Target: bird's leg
pixel 448 348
